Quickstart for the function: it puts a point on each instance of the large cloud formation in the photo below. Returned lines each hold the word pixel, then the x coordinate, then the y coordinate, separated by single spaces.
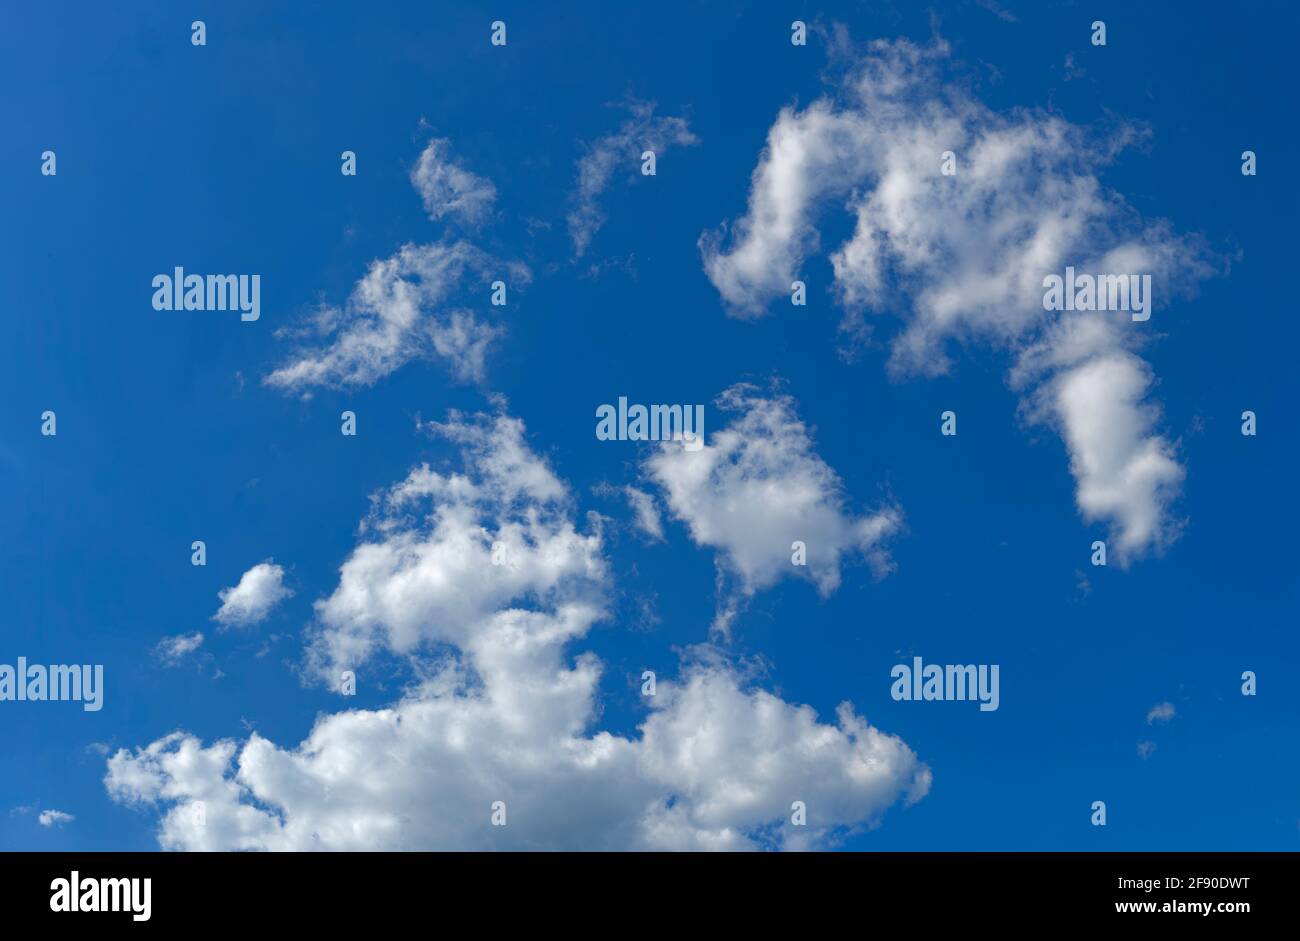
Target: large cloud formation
pixel 962 257
pixel 484 582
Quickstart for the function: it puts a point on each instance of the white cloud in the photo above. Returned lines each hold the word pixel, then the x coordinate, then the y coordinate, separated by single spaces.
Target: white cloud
pixel 993 7
pixel 757 487
pixel 54 818
pixel 1125 472
pixel 1161 713
pixel 259 590
pixel 172 650
pixel 427 575
pixel 404 309
pixel 504 710
pixel 963 257
pixel 417 304
pixel 621 150
pixel 646 513
pixel 447 188
pixel 800 166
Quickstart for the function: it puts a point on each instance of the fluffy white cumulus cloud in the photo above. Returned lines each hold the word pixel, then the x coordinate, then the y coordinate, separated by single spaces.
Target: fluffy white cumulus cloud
pixel 54 818
pixel 505 710
pixel 1125 472
pixel 962 257
pixel 619 152
pixel 447 188
pixel 450 551
pixel 259 590
pixel 755 489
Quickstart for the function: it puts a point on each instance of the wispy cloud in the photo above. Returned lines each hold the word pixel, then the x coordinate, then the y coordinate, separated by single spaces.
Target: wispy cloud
pixel 1161 713
pixel 172 650
pixel 997 10
pixel 646 513
pixel 619 152
pixel 424 302
pixel 448 189
pixel 404 309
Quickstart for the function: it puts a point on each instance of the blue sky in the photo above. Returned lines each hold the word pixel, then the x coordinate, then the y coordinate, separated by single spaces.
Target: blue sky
pixel 225 158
